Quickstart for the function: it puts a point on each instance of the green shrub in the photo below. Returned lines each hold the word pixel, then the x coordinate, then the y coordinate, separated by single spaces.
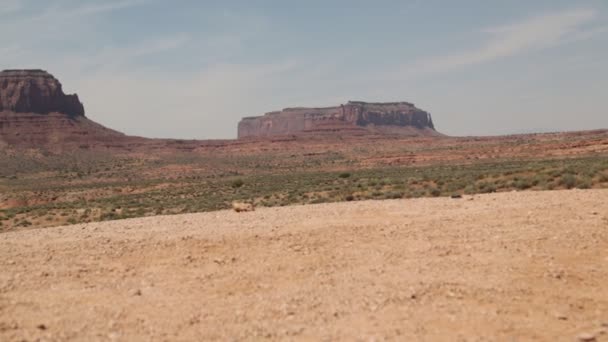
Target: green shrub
pixel 393 195
pixel 568 180
pixel 584 184
pixel 24 223
pixel 522 184
pixel 486 188
pixel 344 175
pixel 237 183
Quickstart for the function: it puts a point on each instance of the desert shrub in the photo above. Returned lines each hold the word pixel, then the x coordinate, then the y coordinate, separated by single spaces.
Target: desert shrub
pixel 109 216
pixel 538 180
pixel 418 193
pixel 393 195
pixel 603 178
pixel 435 192
pixel 24 223
pixel 318 200
pixel 345 175
pixel 555 173
pixel 237 183
pixel 522 184
pixel 349 198
pixel 568 180
pixel 486 188
pixel 584 183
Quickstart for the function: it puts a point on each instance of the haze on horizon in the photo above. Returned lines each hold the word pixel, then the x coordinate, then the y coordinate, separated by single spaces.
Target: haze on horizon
pixel 193 69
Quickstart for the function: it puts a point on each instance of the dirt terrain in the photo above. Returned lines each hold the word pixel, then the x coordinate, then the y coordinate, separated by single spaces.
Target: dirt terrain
pixel 515 266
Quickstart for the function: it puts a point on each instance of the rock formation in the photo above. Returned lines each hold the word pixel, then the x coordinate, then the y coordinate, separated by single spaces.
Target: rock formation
pixel 35 113
pixel 36 91
pixel 386 118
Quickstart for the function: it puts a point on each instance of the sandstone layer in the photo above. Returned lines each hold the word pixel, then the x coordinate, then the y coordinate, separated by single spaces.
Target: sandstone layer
pixel 401 118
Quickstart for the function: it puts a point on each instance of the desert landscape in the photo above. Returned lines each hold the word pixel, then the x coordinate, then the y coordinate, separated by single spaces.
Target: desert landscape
pixel 508 266
pixel 360 221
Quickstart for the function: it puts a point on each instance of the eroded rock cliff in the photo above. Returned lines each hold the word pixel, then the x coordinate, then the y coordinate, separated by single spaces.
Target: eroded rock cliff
pixel 36 91
pixel 355 116
pixel 35 113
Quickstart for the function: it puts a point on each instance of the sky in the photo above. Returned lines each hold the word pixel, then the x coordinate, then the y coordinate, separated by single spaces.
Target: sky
pixel 193 68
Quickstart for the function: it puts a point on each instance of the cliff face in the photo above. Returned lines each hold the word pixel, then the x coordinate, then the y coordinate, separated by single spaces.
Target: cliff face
pixel 36 91
pixel 391 118
pixel 35 113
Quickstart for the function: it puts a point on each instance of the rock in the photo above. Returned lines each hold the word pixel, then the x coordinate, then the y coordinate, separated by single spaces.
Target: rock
pixel 136 292
pixel 561 317
pixel 456 196
pixel 36 91
pixel 358 117
pixel 586 337
pixel 241 207
pixel 41 327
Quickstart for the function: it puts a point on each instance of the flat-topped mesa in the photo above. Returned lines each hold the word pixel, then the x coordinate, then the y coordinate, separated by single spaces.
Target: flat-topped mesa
pixel 401 118
pixel 36 91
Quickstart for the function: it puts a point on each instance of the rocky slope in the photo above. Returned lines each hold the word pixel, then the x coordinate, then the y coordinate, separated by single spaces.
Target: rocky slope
pixel 393 118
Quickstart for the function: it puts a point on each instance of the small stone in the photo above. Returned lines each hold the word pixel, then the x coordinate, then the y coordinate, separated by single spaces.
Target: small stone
pixel 41 327
pixel 561 317
pixel 136 292
pixel 456 196
pixel 586 337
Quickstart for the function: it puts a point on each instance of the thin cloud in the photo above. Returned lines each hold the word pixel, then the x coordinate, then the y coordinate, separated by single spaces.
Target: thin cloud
pixel 107 7
pixel 63 11
pixel 532 34
pixel 113 57
pixel 10 6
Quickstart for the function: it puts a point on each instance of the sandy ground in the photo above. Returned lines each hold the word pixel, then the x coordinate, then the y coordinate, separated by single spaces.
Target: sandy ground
pixel 508 267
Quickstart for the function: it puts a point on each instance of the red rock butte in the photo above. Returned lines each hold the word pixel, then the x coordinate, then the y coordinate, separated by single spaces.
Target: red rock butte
pixel 35 112
pixel 402 118
pixel 36 91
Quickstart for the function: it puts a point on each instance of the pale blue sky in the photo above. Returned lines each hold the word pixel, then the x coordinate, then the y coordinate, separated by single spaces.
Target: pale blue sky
pixel 192 69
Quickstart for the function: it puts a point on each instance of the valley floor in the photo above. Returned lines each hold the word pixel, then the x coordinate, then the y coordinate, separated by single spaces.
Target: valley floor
pixel 504 266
